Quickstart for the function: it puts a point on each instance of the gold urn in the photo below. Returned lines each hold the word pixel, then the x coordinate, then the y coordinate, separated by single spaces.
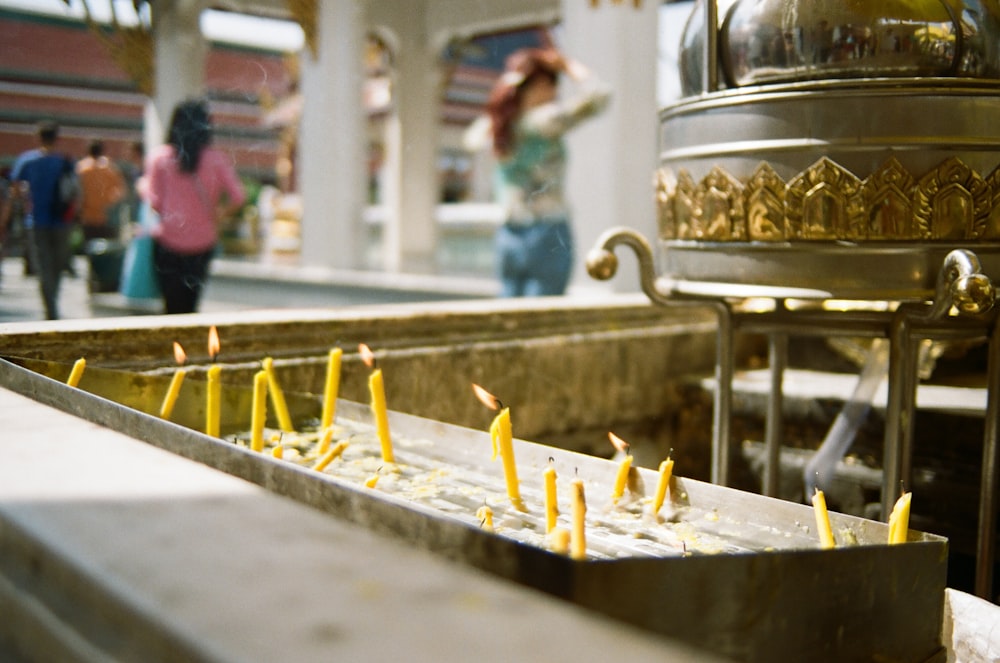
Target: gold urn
pixel 831 148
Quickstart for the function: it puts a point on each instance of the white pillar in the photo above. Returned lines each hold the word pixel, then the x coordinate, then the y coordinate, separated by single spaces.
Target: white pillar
pixel 612 160
pixel 180 52
pixel 410 233
pixel 332 139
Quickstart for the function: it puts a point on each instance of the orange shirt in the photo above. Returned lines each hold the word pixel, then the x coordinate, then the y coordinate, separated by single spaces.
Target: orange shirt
pixel 101 186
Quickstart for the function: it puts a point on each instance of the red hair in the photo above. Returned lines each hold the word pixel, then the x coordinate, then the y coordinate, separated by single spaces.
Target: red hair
pixel 504 103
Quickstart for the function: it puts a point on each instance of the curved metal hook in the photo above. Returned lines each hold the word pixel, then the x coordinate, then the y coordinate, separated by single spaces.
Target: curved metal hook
pixel 962 284
pixel 602 263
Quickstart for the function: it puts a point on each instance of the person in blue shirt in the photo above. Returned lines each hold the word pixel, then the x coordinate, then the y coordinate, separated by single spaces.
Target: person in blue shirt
pixel 525 122
pixel 35 177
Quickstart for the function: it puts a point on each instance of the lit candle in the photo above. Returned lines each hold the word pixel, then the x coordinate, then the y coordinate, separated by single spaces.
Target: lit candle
pixel 485 515
pixel 551 503
pixel 666 470
pixel 621 479
pixel 170 399
pixel 578 535
pixel 330 456
pixel 559 540
pixel 214 344
pixel 899 519
pixel 331 388
pixel 502 437
pixel 822 520
pixel 76 372
pixel 376 386
pixel 214 401
pixel 259 412
pixel 277 397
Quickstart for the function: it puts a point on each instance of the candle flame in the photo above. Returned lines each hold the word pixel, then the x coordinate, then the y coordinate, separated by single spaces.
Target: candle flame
pixel 214 345
pixel 619 444
pixel 179 355
pixel 486 398
pixel 367 355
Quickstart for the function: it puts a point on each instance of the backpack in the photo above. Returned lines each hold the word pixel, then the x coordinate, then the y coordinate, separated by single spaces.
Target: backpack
pixel 66 197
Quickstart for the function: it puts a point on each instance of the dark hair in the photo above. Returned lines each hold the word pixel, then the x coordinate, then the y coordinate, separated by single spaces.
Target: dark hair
pixel 48 132
pixel 190 132
pixel 504 104
pixel 96 148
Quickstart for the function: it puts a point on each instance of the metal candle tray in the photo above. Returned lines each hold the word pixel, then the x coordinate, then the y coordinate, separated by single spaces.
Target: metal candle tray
pixel 728 571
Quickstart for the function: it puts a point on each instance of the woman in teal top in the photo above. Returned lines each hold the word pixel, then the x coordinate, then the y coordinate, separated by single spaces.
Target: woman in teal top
pixel 525 124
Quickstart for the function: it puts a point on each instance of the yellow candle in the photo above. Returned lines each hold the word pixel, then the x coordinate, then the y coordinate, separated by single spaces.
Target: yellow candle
pixel 551 502
pixel 259 412
pixel 899 519
pixel 278 452
pixel 371 481
pixel 174 390
pixel 822 520
pixel 666 470
pixel 502 436
pixel 332 387
pixel 377 388
pixel 559 540
pixel 214 401
pixel 77 372
pixel 324 441
pixel 277 397
pixel 578 535
pixel 485 515
pixel 621 479
pixel 330 456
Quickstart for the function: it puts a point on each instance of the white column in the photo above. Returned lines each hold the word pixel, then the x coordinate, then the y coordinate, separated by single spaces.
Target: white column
pixel 612 160
pixel 332 139
pixel 411 179
pixel 180 52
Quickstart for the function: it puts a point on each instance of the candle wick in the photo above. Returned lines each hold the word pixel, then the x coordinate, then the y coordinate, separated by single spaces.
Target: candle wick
pixel 551 460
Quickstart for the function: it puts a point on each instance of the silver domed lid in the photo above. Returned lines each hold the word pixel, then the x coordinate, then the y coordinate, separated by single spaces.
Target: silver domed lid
pixel 777 41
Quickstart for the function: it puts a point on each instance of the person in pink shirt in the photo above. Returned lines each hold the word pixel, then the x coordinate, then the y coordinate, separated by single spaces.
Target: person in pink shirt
pixel 193 187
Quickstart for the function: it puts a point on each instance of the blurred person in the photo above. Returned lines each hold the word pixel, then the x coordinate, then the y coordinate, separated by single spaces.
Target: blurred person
pixel 101 188
pixel 525 123
pixel 193 187
pixel 39 176
pixel 131 167
pixel 6 213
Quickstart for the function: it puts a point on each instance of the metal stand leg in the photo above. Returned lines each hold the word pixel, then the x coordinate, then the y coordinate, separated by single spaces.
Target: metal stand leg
pixel 778 359
pixel 991 465
pixel 899 411
pixel 722 409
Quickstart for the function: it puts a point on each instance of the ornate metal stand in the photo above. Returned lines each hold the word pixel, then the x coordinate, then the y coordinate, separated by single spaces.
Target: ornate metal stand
pixel 961 308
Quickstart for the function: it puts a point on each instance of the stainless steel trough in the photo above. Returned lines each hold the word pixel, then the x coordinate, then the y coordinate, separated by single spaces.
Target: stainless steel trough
pixel 731 572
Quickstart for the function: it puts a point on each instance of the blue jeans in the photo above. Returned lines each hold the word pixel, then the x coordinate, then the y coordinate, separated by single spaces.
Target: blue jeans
pixel 534 259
